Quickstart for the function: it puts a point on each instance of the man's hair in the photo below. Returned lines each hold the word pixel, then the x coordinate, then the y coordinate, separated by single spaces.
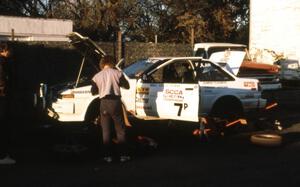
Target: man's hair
pixel 107 60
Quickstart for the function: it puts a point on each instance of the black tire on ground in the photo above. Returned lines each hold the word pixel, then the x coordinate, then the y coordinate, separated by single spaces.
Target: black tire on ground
pixel 269 140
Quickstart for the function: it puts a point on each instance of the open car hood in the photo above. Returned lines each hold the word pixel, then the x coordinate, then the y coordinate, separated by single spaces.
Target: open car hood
pixel 90 51
pixel 232 60
pixel 252 67
pixel 235 61
pixel 85 45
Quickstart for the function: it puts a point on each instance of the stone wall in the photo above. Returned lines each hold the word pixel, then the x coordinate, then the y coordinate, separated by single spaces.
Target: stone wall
pixel 134 51
pixel 53 63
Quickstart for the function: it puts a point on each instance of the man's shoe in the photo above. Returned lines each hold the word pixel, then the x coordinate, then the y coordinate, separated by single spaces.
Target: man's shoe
pixel 108 159
pixel 124 158
pixel 7 161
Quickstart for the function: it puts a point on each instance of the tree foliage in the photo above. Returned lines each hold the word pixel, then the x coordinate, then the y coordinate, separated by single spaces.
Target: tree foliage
pixel 141 20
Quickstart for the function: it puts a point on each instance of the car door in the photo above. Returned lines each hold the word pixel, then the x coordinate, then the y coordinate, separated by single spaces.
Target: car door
pixel 168 92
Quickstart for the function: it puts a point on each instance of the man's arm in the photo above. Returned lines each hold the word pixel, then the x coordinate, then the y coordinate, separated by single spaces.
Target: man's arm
pixel 94 88
pixel 124 83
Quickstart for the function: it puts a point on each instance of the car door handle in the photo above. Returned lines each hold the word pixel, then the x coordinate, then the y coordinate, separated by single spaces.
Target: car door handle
pixel 190 89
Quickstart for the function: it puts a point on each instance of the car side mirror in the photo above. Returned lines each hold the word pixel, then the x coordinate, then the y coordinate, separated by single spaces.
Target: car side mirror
pixel 144 78
pixel 147 79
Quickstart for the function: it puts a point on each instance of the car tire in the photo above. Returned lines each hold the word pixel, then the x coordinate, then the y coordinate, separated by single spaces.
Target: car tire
pixel 221 115
pixel 269 140
pixel 93 113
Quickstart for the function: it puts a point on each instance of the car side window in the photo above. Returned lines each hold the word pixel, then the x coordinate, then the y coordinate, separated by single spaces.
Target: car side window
pixel 165 74
pixel 207 72
pixel 180 71
pixel 154 77
pixel 176 72
pixel 185 72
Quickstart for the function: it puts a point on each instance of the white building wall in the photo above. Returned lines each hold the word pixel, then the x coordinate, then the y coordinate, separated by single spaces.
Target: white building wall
pixel 30 29
pixel 275 25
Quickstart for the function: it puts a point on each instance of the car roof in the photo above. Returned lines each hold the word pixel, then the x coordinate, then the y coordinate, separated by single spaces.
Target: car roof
pixel 215 44
pixel 175 58
pixel 156 59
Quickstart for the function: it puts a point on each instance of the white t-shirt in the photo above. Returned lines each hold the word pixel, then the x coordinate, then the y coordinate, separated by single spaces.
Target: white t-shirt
pixel 108 82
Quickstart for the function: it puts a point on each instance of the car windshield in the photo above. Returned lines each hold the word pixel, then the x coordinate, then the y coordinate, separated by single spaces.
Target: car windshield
pixel 218 49
pixel 137 68
pixel 201 53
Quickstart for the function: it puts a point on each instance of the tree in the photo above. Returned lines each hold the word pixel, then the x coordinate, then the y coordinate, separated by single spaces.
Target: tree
pixel 31 8
pixel 141 20
pixel 217 20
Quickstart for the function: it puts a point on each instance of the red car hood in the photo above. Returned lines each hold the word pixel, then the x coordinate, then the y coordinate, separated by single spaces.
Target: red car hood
pixel 254 67
pixel 235 60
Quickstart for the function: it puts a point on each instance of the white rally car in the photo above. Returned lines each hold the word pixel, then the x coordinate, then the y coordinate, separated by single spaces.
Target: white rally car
pixel 176 88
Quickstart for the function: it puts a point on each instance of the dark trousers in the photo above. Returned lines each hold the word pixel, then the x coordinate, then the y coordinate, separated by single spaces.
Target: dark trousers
pixel 111 111
pixel 5 130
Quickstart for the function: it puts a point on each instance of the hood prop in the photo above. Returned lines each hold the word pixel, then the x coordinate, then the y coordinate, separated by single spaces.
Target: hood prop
pixel 80 70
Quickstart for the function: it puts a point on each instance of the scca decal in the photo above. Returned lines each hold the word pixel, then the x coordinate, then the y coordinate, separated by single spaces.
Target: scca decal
pixel 142 90
pixel 173 95
pixel 176 92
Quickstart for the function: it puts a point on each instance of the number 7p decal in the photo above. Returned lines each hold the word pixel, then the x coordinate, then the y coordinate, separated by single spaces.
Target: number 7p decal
pixel 180 105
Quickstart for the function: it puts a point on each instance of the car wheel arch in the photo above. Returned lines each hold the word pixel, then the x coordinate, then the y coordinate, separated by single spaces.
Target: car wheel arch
pixel 92 110
pixel 225 102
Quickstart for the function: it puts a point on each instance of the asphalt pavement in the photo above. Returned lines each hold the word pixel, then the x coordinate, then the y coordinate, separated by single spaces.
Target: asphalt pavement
pixel 70 155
